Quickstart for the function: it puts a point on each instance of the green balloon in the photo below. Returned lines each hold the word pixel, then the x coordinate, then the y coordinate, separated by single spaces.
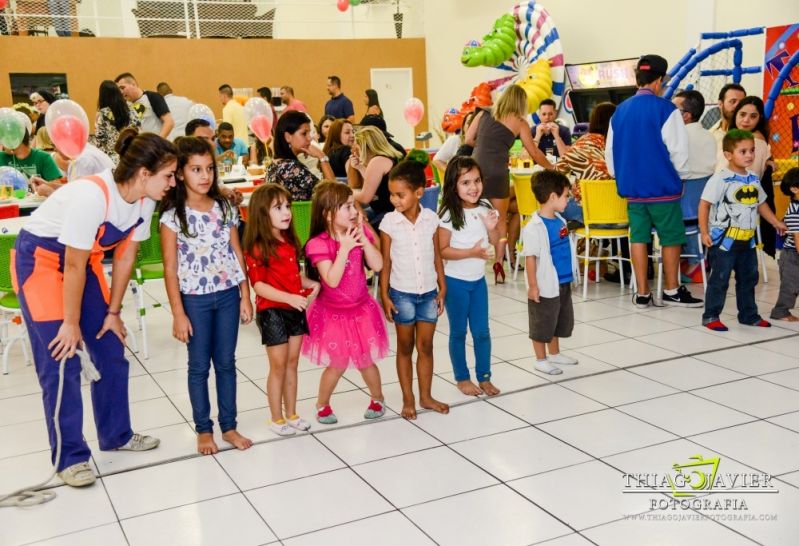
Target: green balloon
pixel 354 2
pixel 11 131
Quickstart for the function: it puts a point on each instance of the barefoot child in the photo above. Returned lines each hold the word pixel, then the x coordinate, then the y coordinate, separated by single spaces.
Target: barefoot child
pixel 549 266
pixel 207 289
pixel 728 218
pixel 271 250
pixel 412 282
pixel 789 259
pixel 346 325
pixel 466 234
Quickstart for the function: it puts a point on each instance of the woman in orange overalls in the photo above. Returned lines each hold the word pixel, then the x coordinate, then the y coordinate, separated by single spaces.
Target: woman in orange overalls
pixel 66 302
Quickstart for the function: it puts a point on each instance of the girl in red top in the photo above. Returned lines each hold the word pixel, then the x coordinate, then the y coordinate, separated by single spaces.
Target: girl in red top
pixel 271 250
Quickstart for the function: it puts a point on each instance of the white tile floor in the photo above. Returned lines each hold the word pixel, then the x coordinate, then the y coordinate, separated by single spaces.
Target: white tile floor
pixel 541 463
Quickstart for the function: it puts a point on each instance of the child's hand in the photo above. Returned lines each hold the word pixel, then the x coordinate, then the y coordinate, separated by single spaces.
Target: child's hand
pixel 781 228
pixel 440 301
pixel 315 287
pixel 389 309
pixel 534 293
pixel 298 302
pixel 181 328
pixel 490 219
pixel 245 311
pixel 478 251
pixel 706 240
pixel 351 239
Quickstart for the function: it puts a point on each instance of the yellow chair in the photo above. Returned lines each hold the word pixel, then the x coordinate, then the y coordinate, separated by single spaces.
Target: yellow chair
pixel 602 207
pixel 527 205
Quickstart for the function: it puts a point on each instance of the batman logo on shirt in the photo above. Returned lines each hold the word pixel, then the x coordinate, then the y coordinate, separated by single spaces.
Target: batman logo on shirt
pixel 747 195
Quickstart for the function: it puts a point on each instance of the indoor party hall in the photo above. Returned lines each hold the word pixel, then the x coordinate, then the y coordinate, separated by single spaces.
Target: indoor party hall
pixel 399 272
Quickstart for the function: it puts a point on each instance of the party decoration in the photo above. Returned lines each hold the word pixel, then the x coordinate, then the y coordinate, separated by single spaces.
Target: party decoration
pixel 354 2
pixel 496 47
pixel 68 127
pixel 343 5
pixel 12 178
pixel 413 111
pixel 537 84
pixel 480 97
pixel 12 130
pixel 201 111
pixel 259 118
pixel 534 38
pixel 25 120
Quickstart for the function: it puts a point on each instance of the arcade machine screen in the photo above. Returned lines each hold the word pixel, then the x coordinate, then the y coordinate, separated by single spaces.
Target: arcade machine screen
pixel 592 83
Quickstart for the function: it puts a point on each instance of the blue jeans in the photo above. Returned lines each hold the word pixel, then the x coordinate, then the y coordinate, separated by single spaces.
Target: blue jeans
pixel 722 264
pixel 413 308
pixel 467 301
pixel 215 323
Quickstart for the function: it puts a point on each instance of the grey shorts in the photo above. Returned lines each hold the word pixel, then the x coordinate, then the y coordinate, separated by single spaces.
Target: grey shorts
pixel 551 317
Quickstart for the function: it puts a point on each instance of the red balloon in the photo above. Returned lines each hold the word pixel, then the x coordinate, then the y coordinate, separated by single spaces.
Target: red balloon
pixel 69 135
pixel 3 4
pixel 261 126
pixel 343 5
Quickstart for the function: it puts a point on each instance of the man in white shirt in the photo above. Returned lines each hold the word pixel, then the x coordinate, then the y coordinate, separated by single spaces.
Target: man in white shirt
pixel 233 113
pixel 179 108
pixel 701 144
pixel 151 107
pixel 701 165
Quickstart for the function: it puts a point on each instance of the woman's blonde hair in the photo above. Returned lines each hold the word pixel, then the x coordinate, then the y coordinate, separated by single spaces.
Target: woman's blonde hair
pixel 372 142
pixel 512 102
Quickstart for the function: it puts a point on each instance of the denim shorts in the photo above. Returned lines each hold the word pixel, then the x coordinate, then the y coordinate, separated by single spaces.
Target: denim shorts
pixel 413 308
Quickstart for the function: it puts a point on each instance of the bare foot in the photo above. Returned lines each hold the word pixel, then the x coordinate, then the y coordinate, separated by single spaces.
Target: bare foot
pixel 206 444
pixel 789 318
pixel 433 404
pixel 468 388
pixel 238 441
pixel 489 388
pixel 408 409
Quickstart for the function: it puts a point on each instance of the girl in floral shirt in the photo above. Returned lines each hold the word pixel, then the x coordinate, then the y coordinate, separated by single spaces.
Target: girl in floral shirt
pixel 206 285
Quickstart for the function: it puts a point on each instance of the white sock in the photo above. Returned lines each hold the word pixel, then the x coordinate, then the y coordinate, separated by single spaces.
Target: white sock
pixel 546 367
pixel 672 292
pixel 560 358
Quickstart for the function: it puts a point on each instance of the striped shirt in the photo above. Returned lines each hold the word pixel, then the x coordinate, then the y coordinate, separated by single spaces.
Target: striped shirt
pixel 792 221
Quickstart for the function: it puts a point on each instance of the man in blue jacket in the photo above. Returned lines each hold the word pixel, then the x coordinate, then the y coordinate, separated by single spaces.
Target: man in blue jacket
pixel 647 152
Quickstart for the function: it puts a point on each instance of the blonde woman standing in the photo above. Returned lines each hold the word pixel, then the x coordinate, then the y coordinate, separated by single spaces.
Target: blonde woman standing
pixel 367 172
pixel 492 133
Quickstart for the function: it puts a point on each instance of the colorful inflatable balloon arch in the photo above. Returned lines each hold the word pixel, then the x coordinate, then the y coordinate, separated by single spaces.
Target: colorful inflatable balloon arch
pixel 524 42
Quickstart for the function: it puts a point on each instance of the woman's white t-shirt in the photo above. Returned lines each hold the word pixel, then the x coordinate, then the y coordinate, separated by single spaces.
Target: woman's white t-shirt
pixel 473 230
pixel 448 149
pixel 74 212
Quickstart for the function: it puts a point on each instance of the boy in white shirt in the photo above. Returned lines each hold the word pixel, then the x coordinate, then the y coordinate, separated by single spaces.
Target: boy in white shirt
pixel 549 264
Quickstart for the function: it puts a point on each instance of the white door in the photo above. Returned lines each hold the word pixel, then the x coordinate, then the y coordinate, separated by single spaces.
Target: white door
pixel 394 86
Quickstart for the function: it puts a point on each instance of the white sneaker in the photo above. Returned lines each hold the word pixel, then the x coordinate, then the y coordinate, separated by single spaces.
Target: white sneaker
pixel 562 359
pixel 140 442
pixel 281 429
pixel 78 475
pixel 299 423
pixel 547 368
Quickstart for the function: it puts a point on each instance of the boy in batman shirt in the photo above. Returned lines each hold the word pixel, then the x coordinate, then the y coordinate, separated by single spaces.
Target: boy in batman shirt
pixel 729 211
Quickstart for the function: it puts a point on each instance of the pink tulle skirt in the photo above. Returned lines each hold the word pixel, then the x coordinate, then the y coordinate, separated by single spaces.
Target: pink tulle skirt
pixel 345 337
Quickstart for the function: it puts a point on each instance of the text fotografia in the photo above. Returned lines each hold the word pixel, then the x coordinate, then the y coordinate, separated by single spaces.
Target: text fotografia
pixel 698 477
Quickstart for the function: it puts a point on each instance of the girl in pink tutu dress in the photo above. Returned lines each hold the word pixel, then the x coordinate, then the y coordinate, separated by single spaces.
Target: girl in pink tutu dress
pixel 346 325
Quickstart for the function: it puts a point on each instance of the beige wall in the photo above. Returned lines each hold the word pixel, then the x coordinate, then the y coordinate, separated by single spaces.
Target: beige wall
pixel 196 68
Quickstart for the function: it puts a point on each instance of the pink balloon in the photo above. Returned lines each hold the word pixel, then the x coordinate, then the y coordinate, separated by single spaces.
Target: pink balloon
pixel 343 5
pixel 67 126
pixel 69 135
pixel 414 111
pixel 261 126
